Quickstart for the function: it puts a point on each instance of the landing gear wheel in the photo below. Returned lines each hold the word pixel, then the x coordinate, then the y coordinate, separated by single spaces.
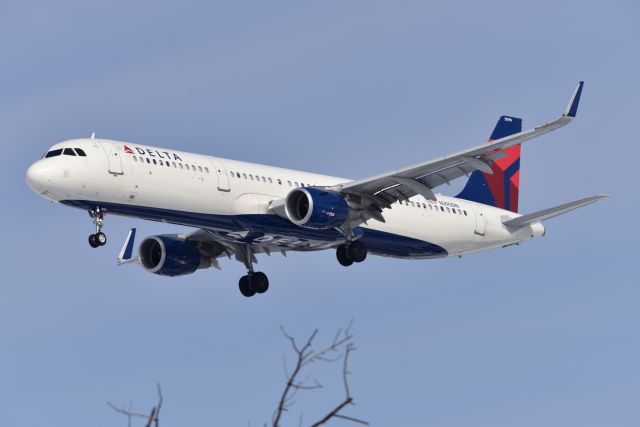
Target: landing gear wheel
pixel 259 282
pixel 245 288
pixel 101 238
pixel 357 251
pixel 343 257
pixel 93 241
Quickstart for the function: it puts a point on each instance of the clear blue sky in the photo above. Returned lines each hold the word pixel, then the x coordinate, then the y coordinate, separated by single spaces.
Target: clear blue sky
pixel 540 334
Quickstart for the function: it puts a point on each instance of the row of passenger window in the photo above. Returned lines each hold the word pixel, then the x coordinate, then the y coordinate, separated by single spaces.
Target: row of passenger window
pixel 175 165
pixel 259 178
pixel 66 152
pixel 432 207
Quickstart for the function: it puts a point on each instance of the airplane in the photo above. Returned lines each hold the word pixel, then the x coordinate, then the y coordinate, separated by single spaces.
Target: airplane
pixel 244 209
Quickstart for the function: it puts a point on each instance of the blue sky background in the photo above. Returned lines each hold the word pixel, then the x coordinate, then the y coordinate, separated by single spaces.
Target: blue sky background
pixel 541 334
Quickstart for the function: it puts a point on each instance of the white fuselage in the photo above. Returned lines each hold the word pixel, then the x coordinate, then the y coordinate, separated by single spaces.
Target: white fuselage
pixel 228 196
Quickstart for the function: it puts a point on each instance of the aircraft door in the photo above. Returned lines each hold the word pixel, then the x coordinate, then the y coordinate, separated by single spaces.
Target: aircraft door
pixel 480 220
pixel 113 155
pixel 223 178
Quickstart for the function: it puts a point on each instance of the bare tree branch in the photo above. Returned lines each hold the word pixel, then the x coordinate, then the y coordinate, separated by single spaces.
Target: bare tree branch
pixel 348 399
pixel 340 348
pixel 153 418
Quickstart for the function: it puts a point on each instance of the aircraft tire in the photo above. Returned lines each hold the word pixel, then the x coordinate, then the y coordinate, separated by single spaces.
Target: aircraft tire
pixel 357 251
pixel 259 282
pixel 101 238
pixel 343 256
pixel 93 241
pixel 245 289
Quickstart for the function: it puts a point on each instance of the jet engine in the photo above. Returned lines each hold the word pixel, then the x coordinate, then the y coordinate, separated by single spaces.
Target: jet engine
pixel 168 255
pixel 316 208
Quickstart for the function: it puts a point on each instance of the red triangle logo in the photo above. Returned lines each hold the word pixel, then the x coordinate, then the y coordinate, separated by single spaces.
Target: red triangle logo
pixel 128 150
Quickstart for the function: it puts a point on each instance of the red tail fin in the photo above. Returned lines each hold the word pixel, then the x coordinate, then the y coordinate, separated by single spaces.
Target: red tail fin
pixel 501 188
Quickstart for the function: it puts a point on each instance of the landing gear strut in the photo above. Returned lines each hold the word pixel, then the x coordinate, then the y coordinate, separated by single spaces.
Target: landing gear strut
pixel 351 252
pixel 99 238
pixel 255 282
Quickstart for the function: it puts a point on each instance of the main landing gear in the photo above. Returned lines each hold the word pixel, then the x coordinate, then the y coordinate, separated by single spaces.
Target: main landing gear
pixel 255 282
pixel 351 252
pixel 99 238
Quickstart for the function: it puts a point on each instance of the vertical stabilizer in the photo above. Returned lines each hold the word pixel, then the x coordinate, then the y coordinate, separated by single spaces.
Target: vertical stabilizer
pixel 501 188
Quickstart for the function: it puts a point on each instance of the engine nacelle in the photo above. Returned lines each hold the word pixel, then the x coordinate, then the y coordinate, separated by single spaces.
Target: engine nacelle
pixel 316 208
pixel 170 256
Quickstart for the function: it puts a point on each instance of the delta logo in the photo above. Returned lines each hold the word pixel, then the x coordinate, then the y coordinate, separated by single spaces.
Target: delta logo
pixel 152 153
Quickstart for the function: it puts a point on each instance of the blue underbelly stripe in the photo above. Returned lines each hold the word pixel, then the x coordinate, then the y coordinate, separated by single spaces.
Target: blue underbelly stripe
pixel 377 242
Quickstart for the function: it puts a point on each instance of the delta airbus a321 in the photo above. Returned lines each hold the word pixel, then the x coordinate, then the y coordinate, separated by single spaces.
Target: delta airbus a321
pixel 243 209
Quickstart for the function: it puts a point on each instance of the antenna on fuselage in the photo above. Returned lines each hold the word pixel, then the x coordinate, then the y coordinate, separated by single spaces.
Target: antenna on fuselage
pixel 93 135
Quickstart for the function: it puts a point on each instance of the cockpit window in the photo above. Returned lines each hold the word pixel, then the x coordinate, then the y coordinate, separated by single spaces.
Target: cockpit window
pixel 81 152
pixel 53 153
pixel 69 152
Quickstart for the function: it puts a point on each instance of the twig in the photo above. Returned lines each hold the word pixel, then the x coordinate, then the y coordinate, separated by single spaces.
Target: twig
pixel 153 418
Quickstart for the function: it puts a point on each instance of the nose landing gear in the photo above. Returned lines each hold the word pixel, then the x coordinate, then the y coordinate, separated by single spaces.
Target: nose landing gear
pixel 99 238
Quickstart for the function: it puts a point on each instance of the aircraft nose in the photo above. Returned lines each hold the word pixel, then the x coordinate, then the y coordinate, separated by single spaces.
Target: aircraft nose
pixel 37 176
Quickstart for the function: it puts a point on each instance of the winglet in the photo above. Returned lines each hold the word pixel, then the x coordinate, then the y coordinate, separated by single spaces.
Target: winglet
pixel 126 252
pixel 572 108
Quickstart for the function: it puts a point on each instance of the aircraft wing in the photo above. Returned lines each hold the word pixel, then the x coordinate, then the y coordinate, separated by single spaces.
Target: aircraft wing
pixel 380 191
pixel 210 245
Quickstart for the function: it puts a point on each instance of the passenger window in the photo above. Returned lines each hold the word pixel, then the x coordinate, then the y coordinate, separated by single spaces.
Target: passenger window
pixel 180 164
pixel 161 162
pixel 193 168
pixel 167 164
pixel 441 208
pixel 148 161
pixel 430 207
pixel 154 162
pixel 251 177
pixel 80 152
pixel 279 181
pixel 135 159
pixel 174 164
pixel 289 182
pixel 264 179
pixel 297 185
pixel 244 175
pixel 465 213
pixel 206 169
pixel 270 182
pixel 199 168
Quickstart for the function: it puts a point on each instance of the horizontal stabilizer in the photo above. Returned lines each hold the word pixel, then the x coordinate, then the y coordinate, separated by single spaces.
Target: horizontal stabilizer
pixel 542 215
pixel 126 253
